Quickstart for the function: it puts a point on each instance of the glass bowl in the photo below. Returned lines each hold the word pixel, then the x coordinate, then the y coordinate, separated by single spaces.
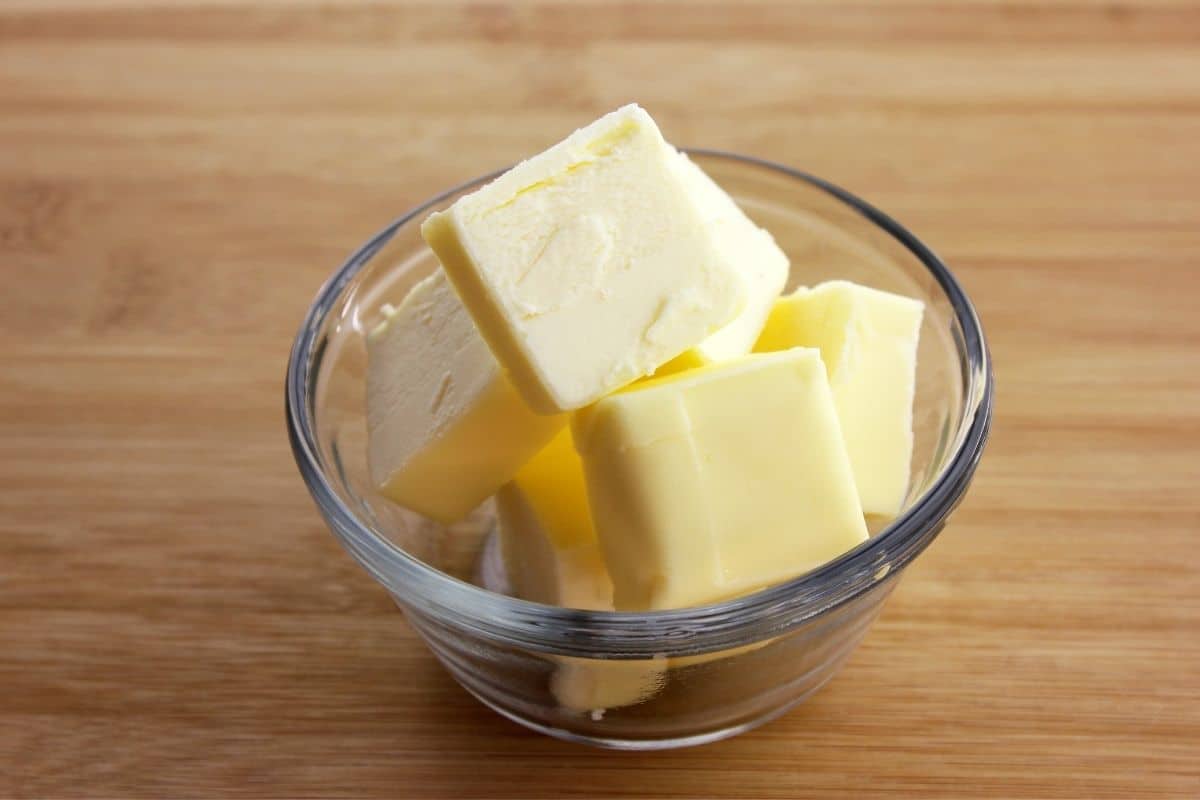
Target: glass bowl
pixel 708 672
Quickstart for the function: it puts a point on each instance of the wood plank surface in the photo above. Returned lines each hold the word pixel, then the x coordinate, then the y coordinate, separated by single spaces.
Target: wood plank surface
pixel 177 179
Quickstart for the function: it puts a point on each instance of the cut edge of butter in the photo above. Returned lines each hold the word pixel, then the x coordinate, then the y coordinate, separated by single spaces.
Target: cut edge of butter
pixel 762 266
pixel 445 428
pixel 868 340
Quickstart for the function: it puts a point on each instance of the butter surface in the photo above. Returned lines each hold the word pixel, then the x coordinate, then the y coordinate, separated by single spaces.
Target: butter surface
pixel 547 540
pixel 445 427
pixel 551 555
pixel 868 341
pixel 589 265
pixel 592 685
pixel 715 482
pixel 762 268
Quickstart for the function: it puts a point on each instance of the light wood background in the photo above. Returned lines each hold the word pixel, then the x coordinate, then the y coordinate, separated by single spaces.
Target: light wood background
pixel 176 180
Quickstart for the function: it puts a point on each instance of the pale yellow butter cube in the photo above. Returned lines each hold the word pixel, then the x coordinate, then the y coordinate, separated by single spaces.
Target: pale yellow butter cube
pixel 715 482
pixel 551 556
pixel 868 340
pixel 762 267
pixel 445 427
pixel 589 265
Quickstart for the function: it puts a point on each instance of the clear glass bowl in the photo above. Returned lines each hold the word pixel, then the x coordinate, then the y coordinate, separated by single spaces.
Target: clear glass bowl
pixel 719 669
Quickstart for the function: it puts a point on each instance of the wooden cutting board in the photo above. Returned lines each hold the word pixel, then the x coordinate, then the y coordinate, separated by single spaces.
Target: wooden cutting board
pixel 176 180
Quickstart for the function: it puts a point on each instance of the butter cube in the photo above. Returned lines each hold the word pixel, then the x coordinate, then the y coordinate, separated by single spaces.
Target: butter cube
pixel 868 341
pixel 715 482
pixel 589 685
pixel 445 427
pixel 589 265
pixel 547 540
pixel 552 556
pixel 762 267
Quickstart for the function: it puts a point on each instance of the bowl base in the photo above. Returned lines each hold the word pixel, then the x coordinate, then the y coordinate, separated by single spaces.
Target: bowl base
pixel 637 745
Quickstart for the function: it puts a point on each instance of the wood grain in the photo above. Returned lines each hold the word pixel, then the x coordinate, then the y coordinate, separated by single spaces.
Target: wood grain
pixel 176 179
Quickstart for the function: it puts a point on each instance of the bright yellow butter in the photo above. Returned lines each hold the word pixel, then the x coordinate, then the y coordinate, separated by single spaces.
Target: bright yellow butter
pixel 718 481
pixel 868 340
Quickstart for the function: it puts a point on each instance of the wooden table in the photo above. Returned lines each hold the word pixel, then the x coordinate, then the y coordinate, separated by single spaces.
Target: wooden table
pixel 176 180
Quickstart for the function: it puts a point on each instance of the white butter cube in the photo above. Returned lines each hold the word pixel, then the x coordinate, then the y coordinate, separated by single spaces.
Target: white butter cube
pixel 445 427
pixel 711 483
pixel 868 341
pixel 589 265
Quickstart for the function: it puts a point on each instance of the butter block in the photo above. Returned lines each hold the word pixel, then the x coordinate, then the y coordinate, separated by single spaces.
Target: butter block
pixel 445 427
pixel 868 341
pixel 552 556
pixel 719 481
pixel 547 540
pixel 590 265
pixel 762 267
pixel 590 685
pixel 539 570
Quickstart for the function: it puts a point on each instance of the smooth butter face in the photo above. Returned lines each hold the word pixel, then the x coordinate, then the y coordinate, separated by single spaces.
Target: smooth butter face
pixel 716 482
pixel 589 265
pixel 762 268
pixel 868 341
pixel 445 428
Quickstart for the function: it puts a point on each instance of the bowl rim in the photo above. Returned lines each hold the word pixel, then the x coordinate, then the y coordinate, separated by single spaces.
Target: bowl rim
pixel 768 612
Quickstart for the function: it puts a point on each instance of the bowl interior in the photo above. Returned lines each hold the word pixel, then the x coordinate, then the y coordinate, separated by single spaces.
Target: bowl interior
pixel 824 236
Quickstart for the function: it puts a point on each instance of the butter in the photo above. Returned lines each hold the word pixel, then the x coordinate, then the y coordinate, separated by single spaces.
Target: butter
pixel 445 427
pixel 868 341
pixel 719 481
pixel 589 265
pixel 551 555
pixel 762 268
pixel 547 541
pixel 590 685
